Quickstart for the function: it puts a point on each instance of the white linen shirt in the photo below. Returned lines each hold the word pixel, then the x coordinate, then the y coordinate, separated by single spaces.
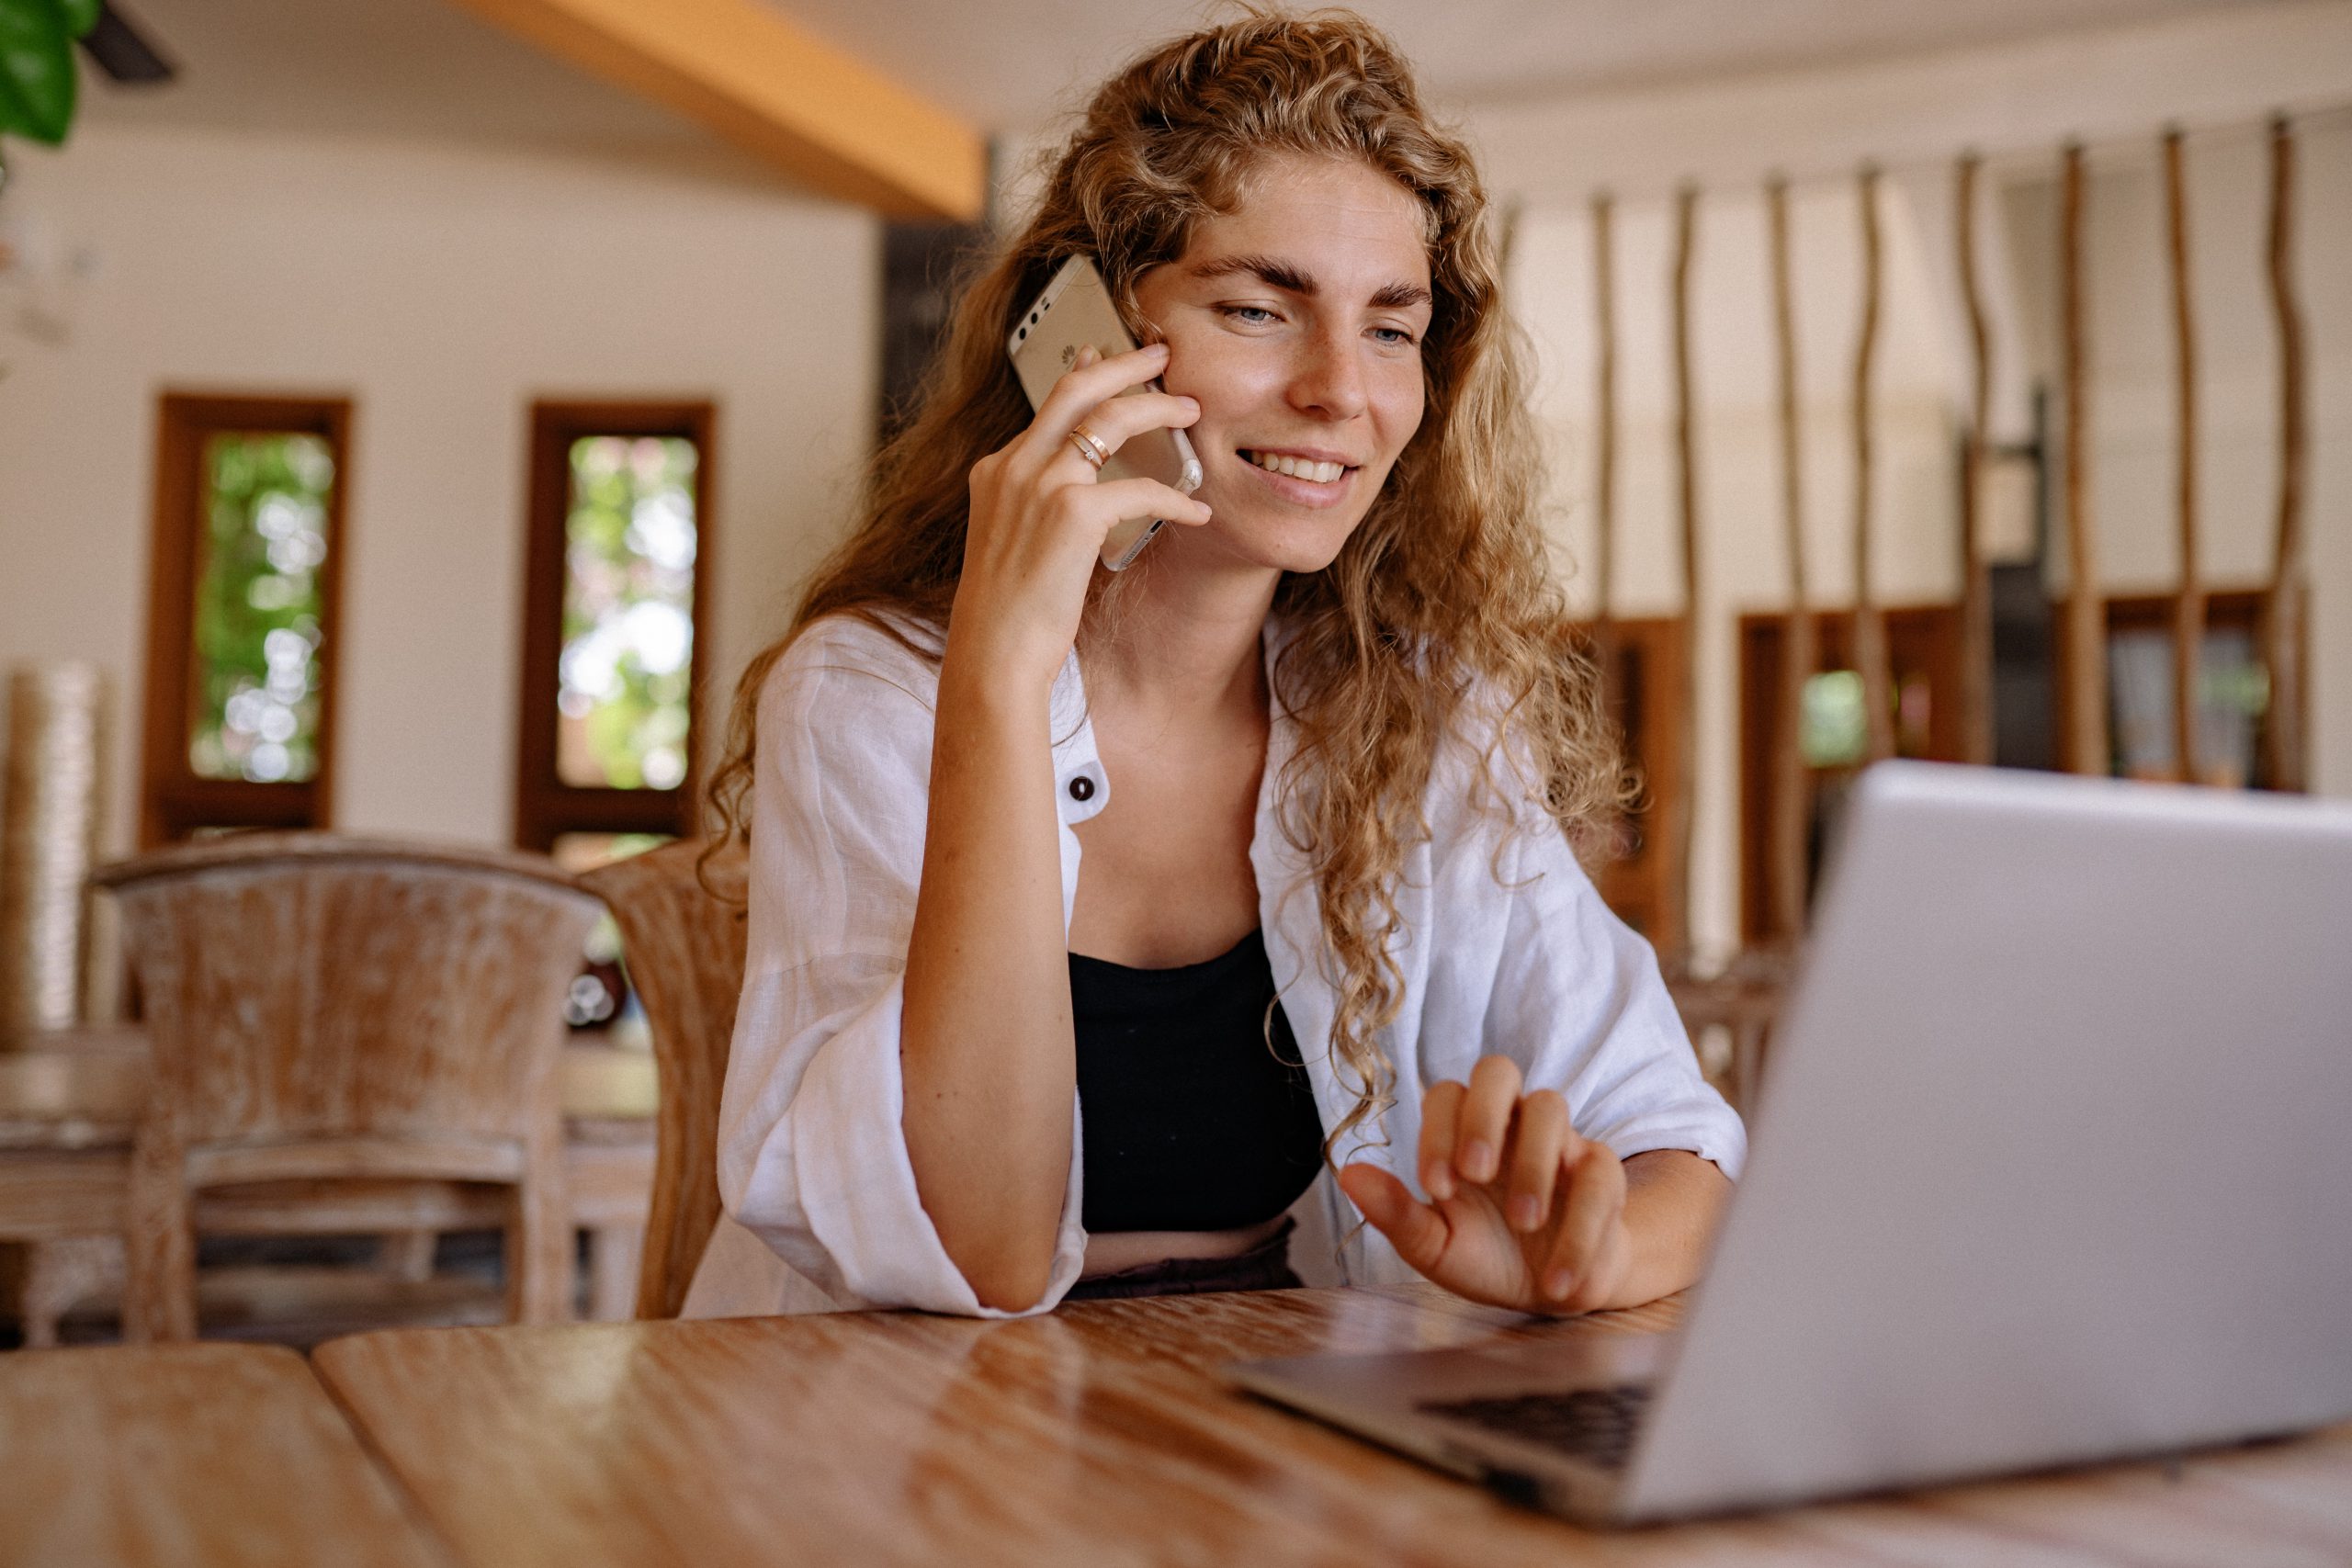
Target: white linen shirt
pixel 1505 949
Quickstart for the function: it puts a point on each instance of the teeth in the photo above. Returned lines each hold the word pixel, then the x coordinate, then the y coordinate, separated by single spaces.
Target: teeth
pixel 1297 467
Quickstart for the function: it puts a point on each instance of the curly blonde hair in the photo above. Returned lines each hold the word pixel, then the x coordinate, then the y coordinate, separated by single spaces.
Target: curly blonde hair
pixel 1441 591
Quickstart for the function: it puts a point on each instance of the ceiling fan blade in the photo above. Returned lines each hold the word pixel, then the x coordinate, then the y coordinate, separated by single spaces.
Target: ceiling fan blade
pixel 119 49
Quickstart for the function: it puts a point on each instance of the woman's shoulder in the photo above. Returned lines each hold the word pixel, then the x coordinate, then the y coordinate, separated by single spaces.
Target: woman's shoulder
pixel 880 648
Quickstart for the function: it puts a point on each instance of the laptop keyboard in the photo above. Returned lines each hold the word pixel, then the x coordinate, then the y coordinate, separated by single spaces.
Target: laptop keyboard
pixel 1595 1424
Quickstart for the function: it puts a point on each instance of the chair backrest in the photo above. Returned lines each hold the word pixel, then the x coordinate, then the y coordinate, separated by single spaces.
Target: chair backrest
pixel 682 947
pixel 309 988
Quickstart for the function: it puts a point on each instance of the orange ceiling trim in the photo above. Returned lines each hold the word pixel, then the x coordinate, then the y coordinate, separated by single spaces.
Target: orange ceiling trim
pixel 741 68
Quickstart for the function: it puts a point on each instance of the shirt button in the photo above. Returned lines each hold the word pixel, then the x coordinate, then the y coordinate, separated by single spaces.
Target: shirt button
pixel 1082 788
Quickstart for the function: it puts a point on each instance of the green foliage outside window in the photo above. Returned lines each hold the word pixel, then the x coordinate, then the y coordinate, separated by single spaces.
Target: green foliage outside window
pixel 257 607
pixel 627 658
pixel 37 83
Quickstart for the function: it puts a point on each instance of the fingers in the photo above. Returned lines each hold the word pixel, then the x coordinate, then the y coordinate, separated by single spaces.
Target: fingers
pixel 1486 1119
pixel 1545 1140
pixel 1121 420
pixel 1108 502
pixel 1595 1202
pixel 1417 1231
pixel 1089 381
pixel 1441 1109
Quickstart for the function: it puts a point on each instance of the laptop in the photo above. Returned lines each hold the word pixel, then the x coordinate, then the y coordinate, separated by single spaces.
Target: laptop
pixel 2053 1164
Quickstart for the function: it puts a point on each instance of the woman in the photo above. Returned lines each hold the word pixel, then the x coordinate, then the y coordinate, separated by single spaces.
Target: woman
pixel 1321 754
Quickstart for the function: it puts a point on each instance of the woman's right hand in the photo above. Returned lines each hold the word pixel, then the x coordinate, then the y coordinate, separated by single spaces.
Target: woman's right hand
pixel 1039 517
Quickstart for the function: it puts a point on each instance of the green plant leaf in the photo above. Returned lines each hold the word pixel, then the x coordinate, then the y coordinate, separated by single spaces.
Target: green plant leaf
pixel 36 80
pixel 79 15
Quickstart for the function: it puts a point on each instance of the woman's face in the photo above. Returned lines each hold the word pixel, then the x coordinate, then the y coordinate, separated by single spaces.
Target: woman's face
pixel 1296 320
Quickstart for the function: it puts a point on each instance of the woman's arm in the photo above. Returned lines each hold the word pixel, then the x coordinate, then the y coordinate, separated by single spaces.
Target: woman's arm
pixel 987 1052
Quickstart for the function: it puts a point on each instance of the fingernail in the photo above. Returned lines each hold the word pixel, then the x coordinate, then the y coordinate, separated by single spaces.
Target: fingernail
pixel 1523 1213
pixel 1437 1182
pixel 1478 1161
pixel 1558 1283
pixel 1192 404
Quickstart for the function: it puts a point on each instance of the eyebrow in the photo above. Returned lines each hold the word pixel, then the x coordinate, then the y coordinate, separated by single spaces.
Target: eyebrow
pixel 1281 274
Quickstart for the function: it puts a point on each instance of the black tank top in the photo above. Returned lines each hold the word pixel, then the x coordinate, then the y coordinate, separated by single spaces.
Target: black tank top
pixel 1190 1121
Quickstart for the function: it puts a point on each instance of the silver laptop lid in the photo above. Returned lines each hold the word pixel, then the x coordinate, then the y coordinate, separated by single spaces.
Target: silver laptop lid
pixel 2054 1159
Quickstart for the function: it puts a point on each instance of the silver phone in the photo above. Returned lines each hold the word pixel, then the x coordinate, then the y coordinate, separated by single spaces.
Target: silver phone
pixel 1076 309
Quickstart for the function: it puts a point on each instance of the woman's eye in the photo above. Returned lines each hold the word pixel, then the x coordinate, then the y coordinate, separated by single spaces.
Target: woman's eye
pixel 1250 315
pixel 1396 337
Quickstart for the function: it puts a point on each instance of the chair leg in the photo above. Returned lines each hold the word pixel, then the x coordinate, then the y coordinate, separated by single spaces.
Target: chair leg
pixel 159 1247
pixel 538 1255
pixel 407 1255
pixel 615 1253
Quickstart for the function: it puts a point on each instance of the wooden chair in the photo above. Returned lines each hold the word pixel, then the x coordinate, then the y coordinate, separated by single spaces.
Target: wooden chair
pixel 683 949
pixel 349 1036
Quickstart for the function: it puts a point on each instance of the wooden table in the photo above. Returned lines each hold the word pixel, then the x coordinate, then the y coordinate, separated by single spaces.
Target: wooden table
pixel 1101 1434
pixel 189 1455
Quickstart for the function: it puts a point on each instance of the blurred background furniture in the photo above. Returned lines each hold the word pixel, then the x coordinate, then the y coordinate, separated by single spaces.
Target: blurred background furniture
pixel 682 932
pixel 69 1102
pixel 348 1036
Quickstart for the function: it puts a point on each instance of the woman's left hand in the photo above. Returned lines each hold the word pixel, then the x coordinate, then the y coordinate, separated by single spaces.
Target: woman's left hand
pixel 1524 1213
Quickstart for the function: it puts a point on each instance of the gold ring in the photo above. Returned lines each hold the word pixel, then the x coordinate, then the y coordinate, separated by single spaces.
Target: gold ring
pixel 1090 447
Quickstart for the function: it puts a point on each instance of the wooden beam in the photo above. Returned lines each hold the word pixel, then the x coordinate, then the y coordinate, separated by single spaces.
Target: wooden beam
pixel 746 72
pixel 1680 812
pixel 1869 626
pixel 1975 581
pixel 2086 744
pixel 1792 789
pixel 1604 450
pixel 2188 600
pixel 2282 605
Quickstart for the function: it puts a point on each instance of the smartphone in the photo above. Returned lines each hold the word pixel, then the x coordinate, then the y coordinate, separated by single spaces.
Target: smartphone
pixel 1074 310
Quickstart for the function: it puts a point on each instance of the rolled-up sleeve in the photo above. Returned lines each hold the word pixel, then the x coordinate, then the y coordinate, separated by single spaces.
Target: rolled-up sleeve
pixel 813 1156
pixel 1578 998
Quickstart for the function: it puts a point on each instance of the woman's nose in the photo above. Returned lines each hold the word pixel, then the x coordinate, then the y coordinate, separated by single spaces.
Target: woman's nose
pixel 1329 380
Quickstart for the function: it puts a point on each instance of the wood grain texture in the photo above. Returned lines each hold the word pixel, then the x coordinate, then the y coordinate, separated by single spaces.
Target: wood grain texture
pixel 683 936
pixel 186 1456
pixel 1100 1434
pixel 328 998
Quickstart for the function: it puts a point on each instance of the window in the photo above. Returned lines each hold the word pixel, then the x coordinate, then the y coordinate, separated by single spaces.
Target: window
pixel 619 549
pixel 1923 645
pixel 2233 696
pixel 243 587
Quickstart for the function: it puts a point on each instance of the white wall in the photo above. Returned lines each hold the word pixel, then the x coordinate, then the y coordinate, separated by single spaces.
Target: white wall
pixel 2218 74
pixel 440 288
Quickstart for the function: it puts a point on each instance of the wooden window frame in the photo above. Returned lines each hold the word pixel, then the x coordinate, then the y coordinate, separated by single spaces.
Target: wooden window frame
pixel 546 808
pixel 173 801
pixel 2226 609
pixel 1638 884
pixel 1922 636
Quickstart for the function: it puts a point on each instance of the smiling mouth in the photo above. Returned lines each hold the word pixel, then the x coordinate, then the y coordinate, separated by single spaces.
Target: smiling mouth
pixel 1296 468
